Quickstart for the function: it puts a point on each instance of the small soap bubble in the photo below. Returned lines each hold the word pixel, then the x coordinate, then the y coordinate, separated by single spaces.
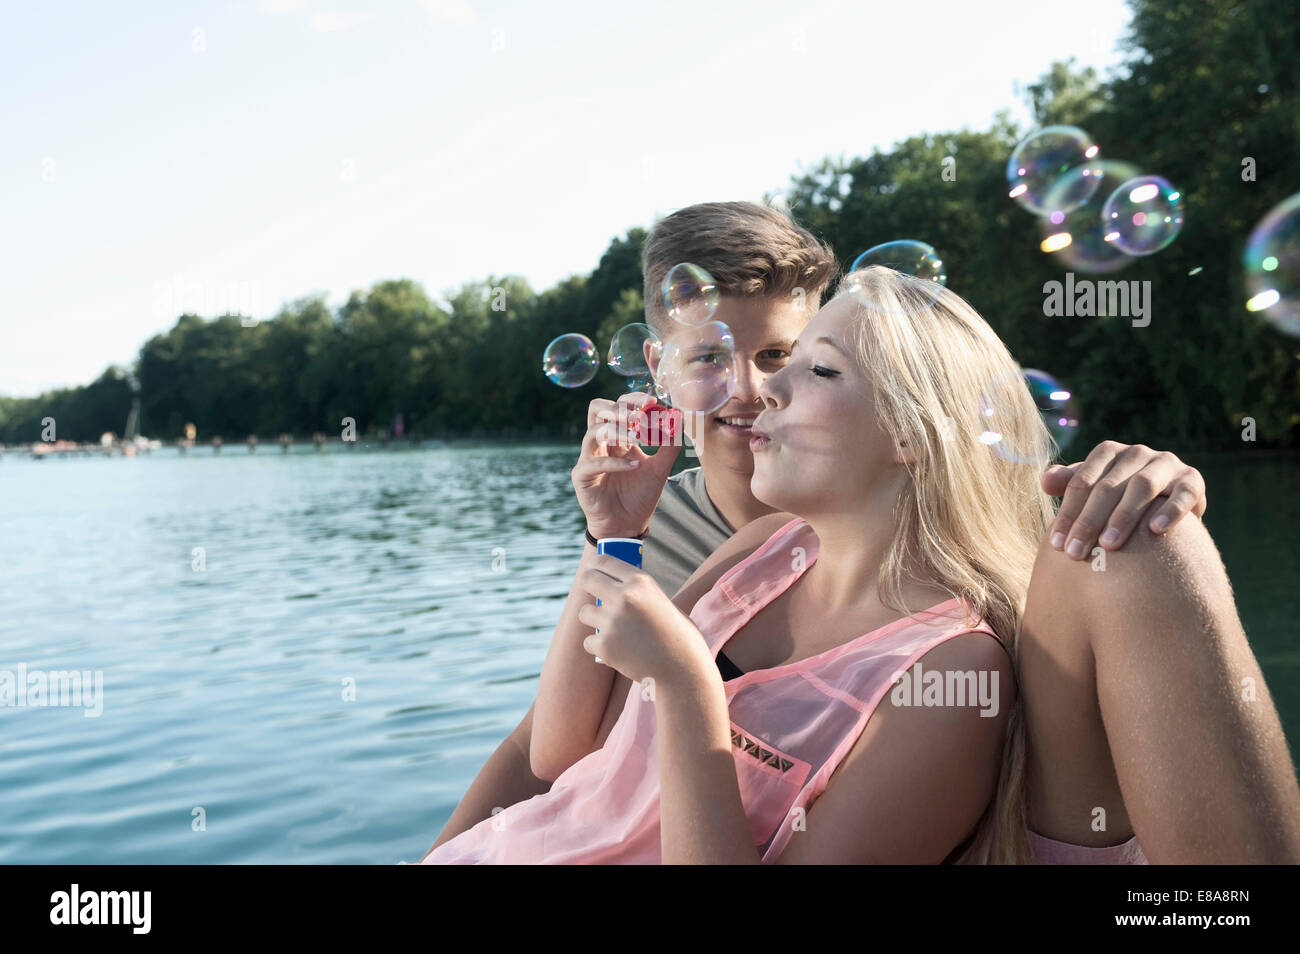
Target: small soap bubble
pixel 1078 240
pixel 1041 159
pixel 697 371
pixel 690 294
pixel 1003 429
pixel 1143 215
pixel 632 348
pixel 1272 263
pixel 570 360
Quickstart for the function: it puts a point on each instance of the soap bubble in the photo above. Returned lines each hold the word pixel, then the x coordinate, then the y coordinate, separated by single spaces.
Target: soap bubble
pixel 628 351
pixel 1002 400
pixel 1143 215
pixel 570 360
pixel 690 294
pixel 698 367
pixel 907 256
pixel 1272 260
pixel 1056 405
pixel 631 352
pixel 1077 239
pixel 1042 158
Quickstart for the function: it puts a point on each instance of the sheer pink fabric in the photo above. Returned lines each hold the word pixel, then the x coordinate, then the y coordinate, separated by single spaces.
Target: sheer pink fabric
pixel 791 727
pixel 1047 851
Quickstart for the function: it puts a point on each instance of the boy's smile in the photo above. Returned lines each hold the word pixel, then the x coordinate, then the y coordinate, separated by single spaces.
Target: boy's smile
pixel 763 330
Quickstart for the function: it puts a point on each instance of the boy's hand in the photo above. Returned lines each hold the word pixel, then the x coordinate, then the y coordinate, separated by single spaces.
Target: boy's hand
pixel 1107 493
pixel 617 483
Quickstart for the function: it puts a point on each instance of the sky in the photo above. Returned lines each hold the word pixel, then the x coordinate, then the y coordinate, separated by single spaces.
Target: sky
pixel 166 157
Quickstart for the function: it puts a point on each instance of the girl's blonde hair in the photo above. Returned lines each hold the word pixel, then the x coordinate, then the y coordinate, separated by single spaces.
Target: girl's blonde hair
pixel 971 519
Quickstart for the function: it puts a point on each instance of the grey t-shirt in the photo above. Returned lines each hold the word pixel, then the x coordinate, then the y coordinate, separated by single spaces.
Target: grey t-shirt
pixel 684 530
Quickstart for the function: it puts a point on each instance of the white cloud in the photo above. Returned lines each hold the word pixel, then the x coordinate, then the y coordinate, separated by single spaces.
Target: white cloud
pixel 456 12
pixel 339 21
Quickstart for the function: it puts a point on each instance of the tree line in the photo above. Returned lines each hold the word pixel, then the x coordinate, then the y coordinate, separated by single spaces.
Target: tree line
pixel 1207 85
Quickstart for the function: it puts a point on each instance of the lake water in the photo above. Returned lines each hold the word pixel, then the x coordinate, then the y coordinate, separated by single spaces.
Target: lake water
pixel 306 658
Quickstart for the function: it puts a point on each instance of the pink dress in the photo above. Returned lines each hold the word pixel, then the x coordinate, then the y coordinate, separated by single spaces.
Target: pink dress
pixel 791 727
pixel 1047 851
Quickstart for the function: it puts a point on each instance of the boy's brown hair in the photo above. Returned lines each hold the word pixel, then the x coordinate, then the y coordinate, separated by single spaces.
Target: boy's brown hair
pixel 752 251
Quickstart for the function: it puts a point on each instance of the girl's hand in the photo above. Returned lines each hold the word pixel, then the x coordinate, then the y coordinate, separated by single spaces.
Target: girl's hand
pixel 617 483
pixel 642 634
pixel 1106 495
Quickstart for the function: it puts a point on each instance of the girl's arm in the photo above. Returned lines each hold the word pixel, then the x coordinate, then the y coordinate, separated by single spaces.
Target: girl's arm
pixel 550 757
pixel 910 790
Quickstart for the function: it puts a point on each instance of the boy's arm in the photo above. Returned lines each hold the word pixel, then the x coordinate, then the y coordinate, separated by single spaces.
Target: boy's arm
pixel 506 778
pixel 573 688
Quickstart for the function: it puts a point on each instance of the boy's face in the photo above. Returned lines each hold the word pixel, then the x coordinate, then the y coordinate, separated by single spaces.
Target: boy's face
pixel 763 330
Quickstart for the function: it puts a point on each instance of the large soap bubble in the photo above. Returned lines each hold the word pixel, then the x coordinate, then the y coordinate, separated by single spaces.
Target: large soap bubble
pixel 697 369
pixel 1041 159
pixel 907 256
pixel 1001 401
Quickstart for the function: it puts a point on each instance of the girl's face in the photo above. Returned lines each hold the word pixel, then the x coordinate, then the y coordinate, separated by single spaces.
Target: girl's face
pixel 819 447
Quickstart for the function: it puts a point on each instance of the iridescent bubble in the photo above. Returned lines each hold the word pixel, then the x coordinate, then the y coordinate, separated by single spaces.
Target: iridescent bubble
pixel 1040 160
pixel 697 371
pixel 1001 403
pixel 907 256
pixel 690 294
pixel 1056 404
pixel 1143 215
pixel 1272 261
pixel 570 360
pixel 1078 240
pixel 632 348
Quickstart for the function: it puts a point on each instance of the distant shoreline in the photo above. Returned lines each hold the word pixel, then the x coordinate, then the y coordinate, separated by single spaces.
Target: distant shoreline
pixel 301 445
pixel 270 445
